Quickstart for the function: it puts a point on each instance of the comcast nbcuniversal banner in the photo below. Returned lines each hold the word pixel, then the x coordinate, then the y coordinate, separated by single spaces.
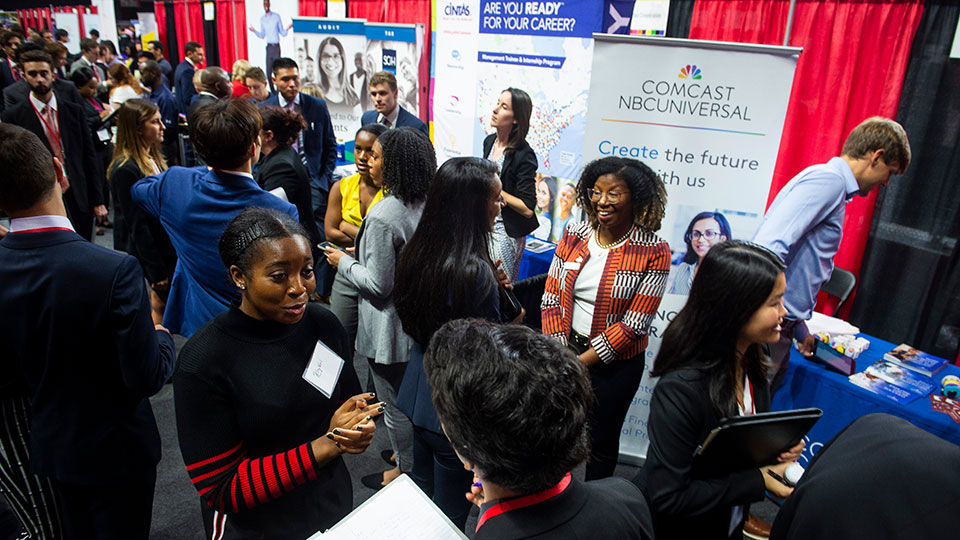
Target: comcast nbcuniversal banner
pixel 707 118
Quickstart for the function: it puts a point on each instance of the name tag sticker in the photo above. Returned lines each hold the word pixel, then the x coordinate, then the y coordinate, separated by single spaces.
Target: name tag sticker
pixel 571 265
pixel 103 135
pixel 324 369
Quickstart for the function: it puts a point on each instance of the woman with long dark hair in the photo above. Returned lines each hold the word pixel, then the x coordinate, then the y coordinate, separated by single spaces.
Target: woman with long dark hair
pixel 333 74
pixel 405 160
pixel 508 148
pixel 136 155
pixel 604 287
pixel 704 230
pixel 445 273
pixel 711 366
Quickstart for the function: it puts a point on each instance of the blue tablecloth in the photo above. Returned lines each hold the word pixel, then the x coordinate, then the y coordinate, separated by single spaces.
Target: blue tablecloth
pixel 534 264
pixel 809 384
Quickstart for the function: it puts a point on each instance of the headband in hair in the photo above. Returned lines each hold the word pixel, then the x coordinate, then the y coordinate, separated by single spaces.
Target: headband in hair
pixel 246 238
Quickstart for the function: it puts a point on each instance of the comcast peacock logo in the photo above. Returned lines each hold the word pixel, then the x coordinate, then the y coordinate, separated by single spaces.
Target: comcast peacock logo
pixel 690 72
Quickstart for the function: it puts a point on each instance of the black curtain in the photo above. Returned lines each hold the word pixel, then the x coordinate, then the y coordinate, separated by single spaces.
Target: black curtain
pixel 678 20
pixel 172 46
pixel 211 49
pixel 909 288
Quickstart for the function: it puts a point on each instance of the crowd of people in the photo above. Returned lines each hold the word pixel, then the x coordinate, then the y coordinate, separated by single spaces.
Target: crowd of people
pixel 279 273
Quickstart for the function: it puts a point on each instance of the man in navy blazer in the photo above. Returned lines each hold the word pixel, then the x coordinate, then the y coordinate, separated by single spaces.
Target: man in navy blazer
pixel 183 76
pixel 84 198
pixel 81 349
pixel 383 90
pixel 317 144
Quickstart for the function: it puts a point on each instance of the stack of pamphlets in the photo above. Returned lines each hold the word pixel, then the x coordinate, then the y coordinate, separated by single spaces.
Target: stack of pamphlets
pixel 902 376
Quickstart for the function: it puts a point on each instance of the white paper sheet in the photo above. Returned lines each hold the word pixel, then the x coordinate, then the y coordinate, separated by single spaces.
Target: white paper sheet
pixel 399 511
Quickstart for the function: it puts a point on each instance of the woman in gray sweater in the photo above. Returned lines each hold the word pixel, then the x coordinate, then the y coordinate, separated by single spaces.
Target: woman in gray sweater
pixel 404 161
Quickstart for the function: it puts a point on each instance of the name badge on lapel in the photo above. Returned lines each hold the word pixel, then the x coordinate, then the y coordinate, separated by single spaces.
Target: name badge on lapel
pixel 324 369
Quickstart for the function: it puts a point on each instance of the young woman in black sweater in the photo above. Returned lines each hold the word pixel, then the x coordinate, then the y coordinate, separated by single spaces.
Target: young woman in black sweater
pixel 710 367
pixel 261 444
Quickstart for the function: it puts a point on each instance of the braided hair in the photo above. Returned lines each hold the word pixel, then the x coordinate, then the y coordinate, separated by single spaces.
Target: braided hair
pixel 250 227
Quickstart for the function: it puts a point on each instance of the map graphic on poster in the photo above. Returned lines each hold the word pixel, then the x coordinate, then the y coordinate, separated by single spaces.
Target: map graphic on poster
pixel 545 49
pixel 557 90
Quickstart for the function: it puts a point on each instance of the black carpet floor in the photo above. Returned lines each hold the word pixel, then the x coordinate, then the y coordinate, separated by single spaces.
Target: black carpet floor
pixel 176 506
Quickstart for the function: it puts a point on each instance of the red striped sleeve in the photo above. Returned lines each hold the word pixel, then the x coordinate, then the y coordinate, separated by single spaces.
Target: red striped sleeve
pixel 271 477
pixel 295 465
pixel 284 472
pixel 308 461
pixel 256 472
pixel 244 479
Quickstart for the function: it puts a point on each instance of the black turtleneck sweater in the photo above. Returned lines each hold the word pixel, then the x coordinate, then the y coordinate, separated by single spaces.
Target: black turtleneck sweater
pixel 246 417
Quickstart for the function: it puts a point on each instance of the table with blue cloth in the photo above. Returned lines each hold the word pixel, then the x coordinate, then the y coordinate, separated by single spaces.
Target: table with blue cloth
pixel 534 264
pixel 810 384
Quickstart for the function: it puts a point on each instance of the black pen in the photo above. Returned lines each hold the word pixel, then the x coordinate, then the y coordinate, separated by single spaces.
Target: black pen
pixel 779 478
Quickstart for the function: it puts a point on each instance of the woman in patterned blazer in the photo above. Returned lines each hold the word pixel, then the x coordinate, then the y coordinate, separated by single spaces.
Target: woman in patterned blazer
pixel 604 287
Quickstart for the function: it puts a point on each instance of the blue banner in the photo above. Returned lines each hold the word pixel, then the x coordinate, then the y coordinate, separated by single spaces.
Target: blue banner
pixel 554 62
pixel 566 18
pixel 406 34
pixel 329 26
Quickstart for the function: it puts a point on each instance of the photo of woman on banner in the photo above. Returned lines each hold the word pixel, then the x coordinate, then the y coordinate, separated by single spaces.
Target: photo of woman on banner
pixel 333 74
pixel 704 230
pixel 546 193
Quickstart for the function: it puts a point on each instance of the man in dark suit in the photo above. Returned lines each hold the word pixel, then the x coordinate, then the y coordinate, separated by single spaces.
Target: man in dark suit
pixel 317 144
pixel 9 43
pixel 183 78
pixel 86 358
pixel 90 57
pixel 156 49
pixel 18 91
pixel 880 478
pixel 151 77
pixel 62 125
pixel 383 90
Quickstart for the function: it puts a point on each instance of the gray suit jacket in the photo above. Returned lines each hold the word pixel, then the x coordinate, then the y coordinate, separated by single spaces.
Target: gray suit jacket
pixel 386 229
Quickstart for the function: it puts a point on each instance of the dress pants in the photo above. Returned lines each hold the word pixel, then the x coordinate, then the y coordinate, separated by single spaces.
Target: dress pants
pixel 345 304
pixel 614 386
pixel 386 383
pixel 273 53
pixel 322 269
pixel 440 474
pixel 120 511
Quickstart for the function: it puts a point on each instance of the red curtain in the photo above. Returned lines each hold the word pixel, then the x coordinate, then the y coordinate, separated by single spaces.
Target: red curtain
pixel 313 8
pixel 852 67
pixel 195 24
pixel 160 14
pixel 231 31
pixel 371 10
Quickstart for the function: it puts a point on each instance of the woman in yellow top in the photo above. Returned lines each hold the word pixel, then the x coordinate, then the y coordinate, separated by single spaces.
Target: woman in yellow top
pixel 350 200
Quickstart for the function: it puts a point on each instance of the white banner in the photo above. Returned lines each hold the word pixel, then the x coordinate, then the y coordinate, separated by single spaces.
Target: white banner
pixel 269 35
pixel 71 23
pixel 707 118
pixel 396 48
pixel 333 62
pixel 454 96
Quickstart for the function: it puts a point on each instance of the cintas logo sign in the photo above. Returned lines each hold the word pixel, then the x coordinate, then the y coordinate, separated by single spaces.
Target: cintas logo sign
pixel 457 10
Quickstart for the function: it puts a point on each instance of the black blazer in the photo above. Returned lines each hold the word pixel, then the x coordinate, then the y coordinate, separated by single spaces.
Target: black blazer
pixel 519 178
pixel 75 325
pixel 146 238
pixel 319 143
pixel 78 150
pixel 283 168
pixel 880 478
pixel 607 508
pixel 17 93
pixel 183 84
pixel 684 502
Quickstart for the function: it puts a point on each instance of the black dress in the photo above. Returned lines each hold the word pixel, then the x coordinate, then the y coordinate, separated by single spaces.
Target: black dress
pixel 137 232
pixel 246 418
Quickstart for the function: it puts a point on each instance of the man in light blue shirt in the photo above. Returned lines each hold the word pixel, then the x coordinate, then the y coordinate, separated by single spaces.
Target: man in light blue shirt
pixel 271 29
pixel 804 224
